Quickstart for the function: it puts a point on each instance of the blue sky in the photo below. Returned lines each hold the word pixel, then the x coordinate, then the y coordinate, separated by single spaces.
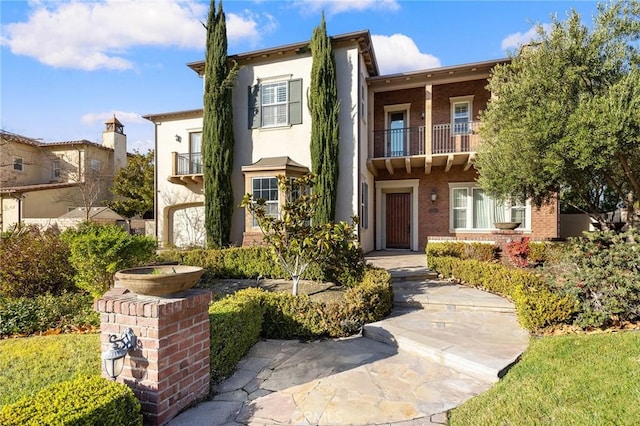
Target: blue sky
pixel 67 66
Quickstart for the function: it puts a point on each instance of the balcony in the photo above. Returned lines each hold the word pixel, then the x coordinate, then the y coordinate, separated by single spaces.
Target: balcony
pixel 186 168
pixel 415 148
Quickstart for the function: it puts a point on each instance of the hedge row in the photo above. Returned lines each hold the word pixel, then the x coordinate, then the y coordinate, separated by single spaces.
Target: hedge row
pixel 239 320
pixel 89 400
pixel 536 304
pixel 485 252
pixel 28 315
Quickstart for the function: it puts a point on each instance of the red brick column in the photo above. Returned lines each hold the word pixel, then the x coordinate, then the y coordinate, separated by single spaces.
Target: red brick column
pixel 170 367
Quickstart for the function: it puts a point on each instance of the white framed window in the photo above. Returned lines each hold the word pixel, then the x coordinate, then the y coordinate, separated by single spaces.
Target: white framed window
pixel 471 209
pixel 274 104
pixel 18 164
pixel 95 165
pixel 55 169
pixel 461 114
pixel 266 188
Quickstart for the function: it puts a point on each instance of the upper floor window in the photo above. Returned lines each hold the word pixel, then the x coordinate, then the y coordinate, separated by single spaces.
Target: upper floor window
pixel 364 206
pixel 275 104
pixel 461 114
pixel 18 165
pixel 266 188
pixel 472 209
pixel 55 169
pixel 95 165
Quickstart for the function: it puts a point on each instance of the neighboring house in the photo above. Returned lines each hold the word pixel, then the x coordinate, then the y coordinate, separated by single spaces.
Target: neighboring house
pixel 47 180
pixel 407 148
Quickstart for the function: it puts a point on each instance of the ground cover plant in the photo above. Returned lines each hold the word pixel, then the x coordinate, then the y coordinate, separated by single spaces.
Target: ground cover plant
pixel 30 364
pixel 587 379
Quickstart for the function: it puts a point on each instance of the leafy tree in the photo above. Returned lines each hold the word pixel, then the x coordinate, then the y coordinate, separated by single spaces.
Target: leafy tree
pixel 324 107
pixel 133 187
pixel 565 116
pixel 217 133
pixel 295 241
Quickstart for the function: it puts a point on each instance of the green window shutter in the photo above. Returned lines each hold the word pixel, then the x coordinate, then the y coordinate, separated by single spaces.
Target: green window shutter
pixel 254 107
pixel 295 101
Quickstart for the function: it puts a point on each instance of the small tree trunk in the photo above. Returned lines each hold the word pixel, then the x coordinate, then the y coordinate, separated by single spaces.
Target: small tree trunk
pixel 296 280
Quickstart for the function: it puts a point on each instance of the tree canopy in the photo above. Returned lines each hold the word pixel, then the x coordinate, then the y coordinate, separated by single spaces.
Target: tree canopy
pixel 564 117
pixel 133 187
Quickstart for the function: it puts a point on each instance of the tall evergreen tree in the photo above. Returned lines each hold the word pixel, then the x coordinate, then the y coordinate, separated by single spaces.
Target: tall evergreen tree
pixel 324 107
pixel 217 132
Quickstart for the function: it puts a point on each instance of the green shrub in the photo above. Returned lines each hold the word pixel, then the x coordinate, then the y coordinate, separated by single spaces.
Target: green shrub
pixel 602 271
pixel 89 400
pixel 28 315
pixel 99 251
pixel 34 262
pixel 235 323
pixel 537 305
pixel 485 252
pixel 292 317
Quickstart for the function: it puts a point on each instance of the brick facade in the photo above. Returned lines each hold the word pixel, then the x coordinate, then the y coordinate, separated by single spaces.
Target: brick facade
pixel 170 368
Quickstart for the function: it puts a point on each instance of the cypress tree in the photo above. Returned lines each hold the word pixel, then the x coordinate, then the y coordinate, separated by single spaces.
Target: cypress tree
pixel 217 132
pixel 324 107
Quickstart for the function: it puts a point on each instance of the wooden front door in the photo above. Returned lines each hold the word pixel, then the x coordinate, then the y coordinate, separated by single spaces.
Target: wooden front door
pixel 398 212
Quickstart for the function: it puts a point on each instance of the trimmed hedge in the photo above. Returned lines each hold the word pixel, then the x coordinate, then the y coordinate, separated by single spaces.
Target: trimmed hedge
pixel 485 252
pixel 89 400
pixel 238 320
pixel 28 315
pixel 536 304
pixel 235 323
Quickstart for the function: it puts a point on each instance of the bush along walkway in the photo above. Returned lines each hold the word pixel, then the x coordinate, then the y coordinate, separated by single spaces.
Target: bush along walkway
pixel 443 344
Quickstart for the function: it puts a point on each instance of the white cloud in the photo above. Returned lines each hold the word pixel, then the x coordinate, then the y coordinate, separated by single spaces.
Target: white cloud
pixel 124 117
pixel 399 53
pixel 515 40
pixel 98 35
pixel 333 7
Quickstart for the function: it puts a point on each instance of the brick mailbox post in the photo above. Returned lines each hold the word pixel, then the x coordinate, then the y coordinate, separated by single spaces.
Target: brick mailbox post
pixel 169 368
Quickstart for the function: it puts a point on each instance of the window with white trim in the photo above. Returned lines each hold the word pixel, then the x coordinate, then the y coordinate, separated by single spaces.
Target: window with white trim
pixel 18 164
pixel 55 169
pixel 364 206
pixel 266 188
pixel 471 209
pixel 275 104
pixel 461 114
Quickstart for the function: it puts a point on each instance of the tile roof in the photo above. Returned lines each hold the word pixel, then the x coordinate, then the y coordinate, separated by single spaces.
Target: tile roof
pixel 36 187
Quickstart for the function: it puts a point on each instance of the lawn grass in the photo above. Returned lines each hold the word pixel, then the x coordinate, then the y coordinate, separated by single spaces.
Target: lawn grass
pixel 29 364
pixel 565 380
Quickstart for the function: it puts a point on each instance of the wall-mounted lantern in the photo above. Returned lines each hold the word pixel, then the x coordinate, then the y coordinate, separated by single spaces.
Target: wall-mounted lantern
pixel 113 359
pixel 178 138
pixel 434 195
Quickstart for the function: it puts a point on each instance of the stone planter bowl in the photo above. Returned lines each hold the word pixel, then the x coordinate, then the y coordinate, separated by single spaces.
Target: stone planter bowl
pixel 506 225
pixel 160 280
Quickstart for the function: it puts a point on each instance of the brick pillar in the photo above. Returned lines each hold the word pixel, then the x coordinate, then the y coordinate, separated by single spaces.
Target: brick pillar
pixel 170 367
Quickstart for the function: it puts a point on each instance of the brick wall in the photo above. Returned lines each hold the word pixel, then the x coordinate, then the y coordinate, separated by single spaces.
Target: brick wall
pixel 441 105
pixel 169 369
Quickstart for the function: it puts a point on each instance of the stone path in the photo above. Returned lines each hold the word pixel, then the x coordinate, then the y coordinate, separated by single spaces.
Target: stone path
pixel 443 345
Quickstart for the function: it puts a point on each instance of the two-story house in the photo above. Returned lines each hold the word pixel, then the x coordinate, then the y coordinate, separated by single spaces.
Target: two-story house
pixel 407 148
pixel 47 180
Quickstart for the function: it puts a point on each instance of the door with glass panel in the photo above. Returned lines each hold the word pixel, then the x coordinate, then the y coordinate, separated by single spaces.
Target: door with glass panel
pixel 195 153
pixel 397 134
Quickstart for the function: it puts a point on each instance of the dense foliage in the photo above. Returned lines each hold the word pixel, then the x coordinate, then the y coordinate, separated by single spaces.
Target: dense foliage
pixel 133 187
pixel 90 400
pixel 99 251
pixel 602 270
pixel 565 116
pixel 217 132
pixel 64 312
pixel 297 241
pixel 34 262
pixel 324 107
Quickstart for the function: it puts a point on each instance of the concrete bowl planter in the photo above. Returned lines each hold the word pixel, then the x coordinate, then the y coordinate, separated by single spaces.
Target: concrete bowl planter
pixel 160 280
pixel 506 225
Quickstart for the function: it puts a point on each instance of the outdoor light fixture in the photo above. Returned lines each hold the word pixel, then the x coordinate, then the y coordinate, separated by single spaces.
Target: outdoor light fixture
pixel 434 195
pixel 178 138
pixel 113 359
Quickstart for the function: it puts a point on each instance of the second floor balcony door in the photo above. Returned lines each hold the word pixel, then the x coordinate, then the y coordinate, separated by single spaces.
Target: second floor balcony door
pixel 195 149
pixel 397 135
